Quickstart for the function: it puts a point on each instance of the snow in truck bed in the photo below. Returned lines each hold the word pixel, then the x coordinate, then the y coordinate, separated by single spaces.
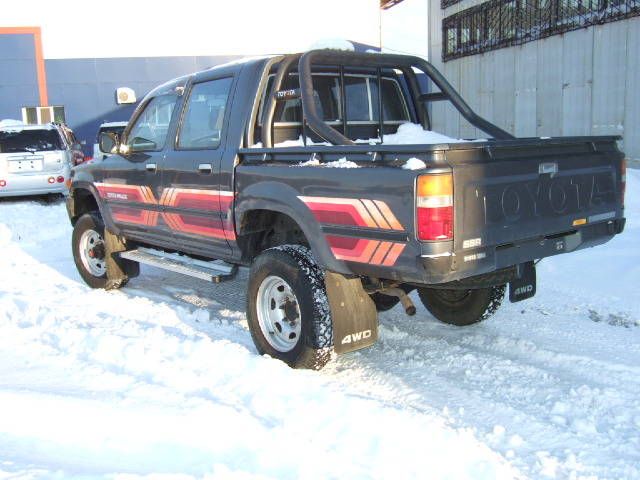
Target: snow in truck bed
pixel 161 377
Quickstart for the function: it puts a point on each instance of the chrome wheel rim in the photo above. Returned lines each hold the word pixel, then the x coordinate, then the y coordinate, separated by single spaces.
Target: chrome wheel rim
pixel 278 314
pixel 92 253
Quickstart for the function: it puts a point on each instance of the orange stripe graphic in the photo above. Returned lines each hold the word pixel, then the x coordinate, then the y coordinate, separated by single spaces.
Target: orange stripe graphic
pixel 395 252
pixel 383 249
pixel 391 218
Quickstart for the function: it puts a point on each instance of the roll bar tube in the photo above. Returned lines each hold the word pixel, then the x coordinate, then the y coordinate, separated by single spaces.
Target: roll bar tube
pixel 405 63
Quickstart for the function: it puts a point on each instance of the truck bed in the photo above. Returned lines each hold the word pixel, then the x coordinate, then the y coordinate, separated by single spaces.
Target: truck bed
pixel 514 200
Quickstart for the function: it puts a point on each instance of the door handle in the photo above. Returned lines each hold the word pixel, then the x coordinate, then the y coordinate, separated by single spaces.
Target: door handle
pixel 151 167
pixel 205 168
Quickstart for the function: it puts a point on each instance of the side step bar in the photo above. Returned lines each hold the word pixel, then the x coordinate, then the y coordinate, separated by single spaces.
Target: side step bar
pixel 216 271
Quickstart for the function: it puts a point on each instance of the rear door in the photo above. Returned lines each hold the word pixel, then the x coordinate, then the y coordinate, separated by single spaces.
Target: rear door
pixel 195 208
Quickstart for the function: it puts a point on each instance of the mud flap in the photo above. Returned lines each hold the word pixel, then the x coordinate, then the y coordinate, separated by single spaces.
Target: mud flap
pixel 119 270
pixel 354 315
pixel 524 286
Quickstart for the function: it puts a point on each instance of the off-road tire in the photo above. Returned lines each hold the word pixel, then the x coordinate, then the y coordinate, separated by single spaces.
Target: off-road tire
pixel 296 266
pixel 462 307
pixel 117 270
pixel 88 221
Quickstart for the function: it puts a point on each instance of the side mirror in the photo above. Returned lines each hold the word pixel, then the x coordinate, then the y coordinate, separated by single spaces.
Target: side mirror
pixel 108 142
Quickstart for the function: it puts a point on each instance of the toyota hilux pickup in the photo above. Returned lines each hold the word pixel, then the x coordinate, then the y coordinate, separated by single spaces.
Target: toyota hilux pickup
pixel 320 172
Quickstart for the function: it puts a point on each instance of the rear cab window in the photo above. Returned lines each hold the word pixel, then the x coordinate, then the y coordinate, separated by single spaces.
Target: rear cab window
pixel 361 92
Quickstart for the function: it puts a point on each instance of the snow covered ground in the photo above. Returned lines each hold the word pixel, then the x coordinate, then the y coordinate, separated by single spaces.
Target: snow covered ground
pixel 162 378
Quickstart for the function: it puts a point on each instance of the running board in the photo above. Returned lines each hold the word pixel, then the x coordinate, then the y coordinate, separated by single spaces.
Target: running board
pixel 216 271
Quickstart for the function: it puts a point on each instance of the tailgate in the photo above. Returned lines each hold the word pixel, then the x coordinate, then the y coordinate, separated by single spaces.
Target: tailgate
pixel 532 191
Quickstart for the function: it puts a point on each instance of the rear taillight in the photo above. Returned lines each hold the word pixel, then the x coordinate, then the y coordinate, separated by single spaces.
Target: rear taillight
pixel 3 183
pixel 434 207
pixel 623 180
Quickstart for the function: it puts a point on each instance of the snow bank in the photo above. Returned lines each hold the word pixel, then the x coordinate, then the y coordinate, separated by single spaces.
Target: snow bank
pixel 412 133
pixel 99 383
pixel 414 164
pixel 161 378
pixel 341 163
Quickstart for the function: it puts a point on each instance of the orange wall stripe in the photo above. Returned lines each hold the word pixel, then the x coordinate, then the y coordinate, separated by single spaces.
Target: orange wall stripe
pixel 40 69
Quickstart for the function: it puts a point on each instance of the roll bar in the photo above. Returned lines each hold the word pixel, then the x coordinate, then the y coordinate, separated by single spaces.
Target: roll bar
pixel 404 63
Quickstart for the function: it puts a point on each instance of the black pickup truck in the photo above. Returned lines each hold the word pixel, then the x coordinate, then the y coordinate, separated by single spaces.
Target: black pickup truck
pixel 236 166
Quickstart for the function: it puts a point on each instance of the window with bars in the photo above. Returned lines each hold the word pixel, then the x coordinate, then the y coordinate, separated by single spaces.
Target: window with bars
pixel 503 23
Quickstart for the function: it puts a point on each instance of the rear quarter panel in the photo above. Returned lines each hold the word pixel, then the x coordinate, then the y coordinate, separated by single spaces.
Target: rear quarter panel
pixel 357 220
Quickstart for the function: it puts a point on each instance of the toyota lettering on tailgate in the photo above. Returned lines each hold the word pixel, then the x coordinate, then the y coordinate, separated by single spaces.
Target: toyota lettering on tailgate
pixel 557 196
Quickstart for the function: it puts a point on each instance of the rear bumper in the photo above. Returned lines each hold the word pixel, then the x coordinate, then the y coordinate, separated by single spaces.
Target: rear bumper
pixel 473 262
pixel 35 184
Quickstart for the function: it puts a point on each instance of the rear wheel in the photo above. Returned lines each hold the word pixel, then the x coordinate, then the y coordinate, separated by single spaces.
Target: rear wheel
pixel 462 307
pixel 287 308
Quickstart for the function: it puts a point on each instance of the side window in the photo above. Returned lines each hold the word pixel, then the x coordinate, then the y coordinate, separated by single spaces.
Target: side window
pixel 150 130
pixel 203 119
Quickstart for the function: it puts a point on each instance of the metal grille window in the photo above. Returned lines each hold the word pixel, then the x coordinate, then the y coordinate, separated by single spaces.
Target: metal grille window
pixel 503 23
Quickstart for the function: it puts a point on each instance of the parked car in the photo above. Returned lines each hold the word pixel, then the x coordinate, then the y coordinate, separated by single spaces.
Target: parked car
pixel 36 159
pixel 335 231
pixel 108 127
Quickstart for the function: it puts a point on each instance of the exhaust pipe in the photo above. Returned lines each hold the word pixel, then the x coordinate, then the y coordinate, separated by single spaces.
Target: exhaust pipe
pixel 409 307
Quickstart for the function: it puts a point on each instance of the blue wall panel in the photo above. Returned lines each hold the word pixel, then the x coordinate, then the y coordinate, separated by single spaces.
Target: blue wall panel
pixel 18 80
pixel 86 87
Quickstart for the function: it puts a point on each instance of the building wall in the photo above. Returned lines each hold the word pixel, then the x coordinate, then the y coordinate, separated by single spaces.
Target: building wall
pixel 86 86
pixel 18 81
pixel 583 82
pixel 89 52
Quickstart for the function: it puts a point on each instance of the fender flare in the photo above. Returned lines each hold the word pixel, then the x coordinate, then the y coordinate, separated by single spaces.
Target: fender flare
pixel 281 198
pixel 90 187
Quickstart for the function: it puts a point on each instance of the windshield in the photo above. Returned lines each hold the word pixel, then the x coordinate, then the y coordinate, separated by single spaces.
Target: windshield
pixel 29 141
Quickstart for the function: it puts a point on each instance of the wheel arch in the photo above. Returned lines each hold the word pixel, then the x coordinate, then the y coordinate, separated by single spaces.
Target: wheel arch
pixel 84 198
pixel 272 199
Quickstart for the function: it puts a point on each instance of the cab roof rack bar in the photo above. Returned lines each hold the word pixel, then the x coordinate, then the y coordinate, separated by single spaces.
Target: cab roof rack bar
pixel 405 63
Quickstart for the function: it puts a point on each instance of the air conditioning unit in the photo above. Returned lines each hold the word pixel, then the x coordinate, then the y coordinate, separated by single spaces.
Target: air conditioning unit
pixel 39 115
pixel 125 95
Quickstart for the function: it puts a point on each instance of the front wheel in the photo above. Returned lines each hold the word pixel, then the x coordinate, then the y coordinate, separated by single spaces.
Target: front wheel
pixel 287 308
pixel 89 250
pixel 462 307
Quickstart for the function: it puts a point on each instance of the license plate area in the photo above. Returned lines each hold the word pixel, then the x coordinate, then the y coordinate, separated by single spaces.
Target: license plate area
pixel 24 166
pixel 524 286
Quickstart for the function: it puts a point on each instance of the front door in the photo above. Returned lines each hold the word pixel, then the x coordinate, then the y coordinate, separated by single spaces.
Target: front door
pixel 192 200
pixel 131 183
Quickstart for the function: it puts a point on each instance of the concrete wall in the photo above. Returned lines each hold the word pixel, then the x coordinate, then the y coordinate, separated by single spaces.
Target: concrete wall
pixel 583 82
